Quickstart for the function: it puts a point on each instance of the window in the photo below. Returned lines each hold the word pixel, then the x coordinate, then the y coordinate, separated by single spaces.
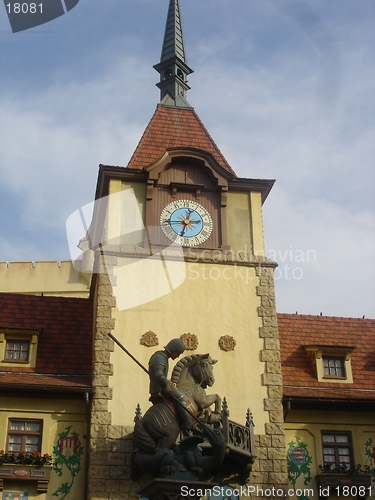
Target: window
pixel 334 366
pixel 17 350
pixel 24 435
pixel 337 450
pixel 332 363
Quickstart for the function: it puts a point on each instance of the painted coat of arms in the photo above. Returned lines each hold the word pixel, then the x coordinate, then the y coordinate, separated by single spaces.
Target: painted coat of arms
pixel 298 455
pixel 299 464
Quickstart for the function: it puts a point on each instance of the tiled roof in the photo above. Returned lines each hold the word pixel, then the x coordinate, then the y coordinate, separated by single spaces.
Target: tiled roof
pixel 172 127
pixel 299 378
pixel 45 381
pixel 64 356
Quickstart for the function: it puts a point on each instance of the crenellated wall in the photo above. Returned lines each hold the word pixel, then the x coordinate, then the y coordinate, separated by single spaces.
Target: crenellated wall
pixel 59 278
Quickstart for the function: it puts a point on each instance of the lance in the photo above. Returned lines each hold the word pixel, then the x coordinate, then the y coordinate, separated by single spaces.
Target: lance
pixel 128 353
pixel 148 373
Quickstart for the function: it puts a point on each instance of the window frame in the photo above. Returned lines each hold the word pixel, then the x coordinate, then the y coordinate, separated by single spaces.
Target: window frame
pixel 8 340
pixel 18 335
pixel 24 434
pixel 336 445
pixel 331 357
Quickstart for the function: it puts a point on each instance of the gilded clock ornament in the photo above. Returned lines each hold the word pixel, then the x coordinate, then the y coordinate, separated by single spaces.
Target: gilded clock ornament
pixel 186 223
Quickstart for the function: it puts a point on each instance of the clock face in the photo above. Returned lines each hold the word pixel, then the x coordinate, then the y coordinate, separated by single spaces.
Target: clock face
pixel 186 222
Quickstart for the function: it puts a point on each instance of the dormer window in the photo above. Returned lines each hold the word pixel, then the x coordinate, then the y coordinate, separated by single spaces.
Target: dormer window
pixel 18 348
pixel 332 363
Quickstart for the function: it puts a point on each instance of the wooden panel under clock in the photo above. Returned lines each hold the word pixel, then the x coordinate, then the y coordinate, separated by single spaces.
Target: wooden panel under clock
pixel 187 174
pixel 162 196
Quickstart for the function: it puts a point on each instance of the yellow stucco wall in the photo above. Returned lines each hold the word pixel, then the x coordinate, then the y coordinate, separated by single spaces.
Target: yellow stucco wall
pixel 126 213
pixel 57 416
pixel 213 300
pixel 244 222
pixel 44 277
pixel 240 237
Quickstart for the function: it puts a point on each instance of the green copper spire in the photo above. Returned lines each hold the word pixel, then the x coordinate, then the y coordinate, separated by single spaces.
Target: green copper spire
pixel 173 44
pixel 172 67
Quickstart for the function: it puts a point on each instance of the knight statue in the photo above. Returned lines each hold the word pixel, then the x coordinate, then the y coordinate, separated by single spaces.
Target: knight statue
pixel 161 388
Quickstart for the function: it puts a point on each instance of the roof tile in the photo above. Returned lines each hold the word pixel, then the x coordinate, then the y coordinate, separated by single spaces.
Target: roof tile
pixel 299 378
pixel 65 341
pixel 172 127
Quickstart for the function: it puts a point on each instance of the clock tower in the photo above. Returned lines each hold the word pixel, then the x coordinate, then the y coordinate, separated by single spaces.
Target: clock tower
pixel 179 252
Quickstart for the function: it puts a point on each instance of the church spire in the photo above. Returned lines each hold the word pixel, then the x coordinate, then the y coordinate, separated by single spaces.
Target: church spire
pixel 172 67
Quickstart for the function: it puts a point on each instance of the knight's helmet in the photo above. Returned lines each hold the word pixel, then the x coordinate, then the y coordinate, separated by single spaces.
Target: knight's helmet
pixel 175 345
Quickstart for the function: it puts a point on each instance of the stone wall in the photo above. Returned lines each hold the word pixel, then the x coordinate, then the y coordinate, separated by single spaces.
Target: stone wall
pixel 270 468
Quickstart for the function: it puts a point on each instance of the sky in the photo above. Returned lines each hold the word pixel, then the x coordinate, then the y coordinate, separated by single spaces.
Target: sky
pixel 285 88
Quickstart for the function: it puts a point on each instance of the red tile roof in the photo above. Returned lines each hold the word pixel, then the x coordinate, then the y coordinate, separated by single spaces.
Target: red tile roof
pixel 64 356
pixel 14 380
pixel 172 128
pixel 299 378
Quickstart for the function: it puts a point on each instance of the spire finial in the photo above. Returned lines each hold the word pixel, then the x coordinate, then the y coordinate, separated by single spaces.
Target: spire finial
pixel 172 67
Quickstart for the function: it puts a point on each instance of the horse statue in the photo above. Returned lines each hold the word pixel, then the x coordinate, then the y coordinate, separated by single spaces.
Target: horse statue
pixel 158 430
pixel 192 375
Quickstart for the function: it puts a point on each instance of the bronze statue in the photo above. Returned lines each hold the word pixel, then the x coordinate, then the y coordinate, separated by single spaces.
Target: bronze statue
pixel 161 389
pixel 186 460
pixel 156 433
pixel 189 454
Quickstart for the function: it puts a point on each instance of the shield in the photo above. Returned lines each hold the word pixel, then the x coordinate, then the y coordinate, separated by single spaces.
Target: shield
pixel 68 445
pixel 297 455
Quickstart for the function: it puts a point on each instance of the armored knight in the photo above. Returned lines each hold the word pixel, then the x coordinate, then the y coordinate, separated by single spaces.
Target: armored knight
pixel 161 387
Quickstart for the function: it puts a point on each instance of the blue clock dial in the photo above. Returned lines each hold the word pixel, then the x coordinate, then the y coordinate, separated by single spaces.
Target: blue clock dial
pixel 185 222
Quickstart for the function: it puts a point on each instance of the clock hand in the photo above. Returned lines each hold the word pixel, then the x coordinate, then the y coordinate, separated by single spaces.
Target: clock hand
pixel 179 222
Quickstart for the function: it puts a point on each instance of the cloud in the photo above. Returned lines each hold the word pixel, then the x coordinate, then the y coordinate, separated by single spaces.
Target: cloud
pixel 325 256
pixel 320 206
pixel 55 139
pixel 282 99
